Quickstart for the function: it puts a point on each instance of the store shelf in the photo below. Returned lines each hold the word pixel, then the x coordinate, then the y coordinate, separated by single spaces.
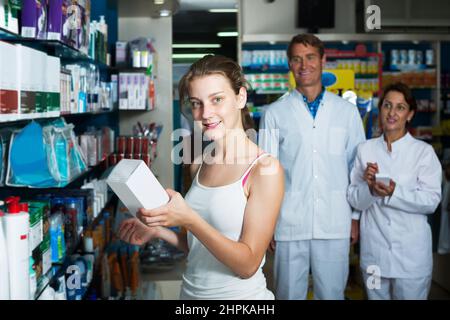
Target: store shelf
pixel 128 69
pixel 37 116
pixel 55 270
pixel 76 182
pixel 53 47
pixel 330 37
pixel 6 34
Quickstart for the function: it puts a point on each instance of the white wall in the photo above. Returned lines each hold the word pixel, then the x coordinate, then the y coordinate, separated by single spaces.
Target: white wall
pixel 134 24
pixel 280 17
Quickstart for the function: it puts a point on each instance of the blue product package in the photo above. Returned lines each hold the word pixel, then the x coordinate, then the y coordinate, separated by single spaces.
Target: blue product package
pixel 57 243
pixel 61 152
pixel 26 170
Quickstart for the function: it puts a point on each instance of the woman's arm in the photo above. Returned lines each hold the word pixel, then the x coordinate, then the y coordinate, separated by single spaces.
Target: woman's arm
pixel 358 193
pixel 177 239
pixel 425 197
pixel 135 232
pixel 244 257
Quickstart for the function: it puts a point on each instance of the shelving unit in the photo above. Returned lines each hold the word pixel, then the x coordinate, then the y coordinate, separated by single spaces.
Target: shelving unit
pixel 81 120
pixel 53 47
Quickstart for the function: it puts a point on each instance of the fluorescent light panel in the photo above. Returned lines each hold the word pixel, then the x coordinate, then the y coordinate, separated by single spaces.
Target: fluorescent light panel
pixel 164 13
pixel 222 10
pixel 195 45
pixel 227 34
pixel 189 55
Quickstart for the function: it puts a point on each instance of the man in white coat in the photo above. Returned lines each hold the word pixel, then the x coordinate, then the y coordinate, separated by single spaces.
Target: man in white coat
pixel 314 134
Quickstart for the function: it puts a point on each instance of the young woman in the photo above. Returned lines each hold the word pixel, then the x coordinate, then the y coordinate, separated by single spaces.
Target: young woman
pixel 232 207
pixel 396 253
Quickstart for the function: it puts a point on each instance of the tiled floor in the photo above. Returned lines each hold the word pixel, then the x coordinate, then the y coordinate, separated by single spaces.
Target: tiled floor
pixel 354 290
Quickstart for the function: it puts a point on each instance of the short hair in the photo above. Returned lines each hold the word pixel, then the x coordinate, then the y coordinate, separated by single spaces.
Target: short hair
pixel 306 39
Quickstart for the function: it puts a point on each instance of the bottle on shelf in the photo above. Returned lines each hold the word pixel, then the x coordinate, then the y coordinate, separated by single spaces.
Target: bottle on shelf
pixel 17 226
pixel 4 273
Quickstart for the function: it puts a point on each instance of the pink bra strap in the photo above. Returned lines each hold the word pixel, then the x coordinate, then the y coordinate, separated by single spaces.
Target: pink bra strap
pixel 250 169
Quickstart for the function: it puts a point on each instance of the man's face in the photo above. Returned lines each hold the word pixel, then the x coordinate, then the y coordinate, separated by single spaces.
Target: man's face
pixel 306 65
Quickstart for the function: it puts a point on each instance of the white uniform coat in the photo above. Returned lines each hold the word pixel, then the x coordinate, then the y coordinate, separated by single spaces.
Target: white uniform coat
pixel 317 155
pixel 395 234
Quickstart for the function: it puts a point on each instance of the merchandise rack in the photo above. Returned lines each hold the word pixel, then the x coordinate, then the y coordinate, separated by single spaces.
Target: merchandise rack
pixel 67 115
pixel 53 47
pixel 55 270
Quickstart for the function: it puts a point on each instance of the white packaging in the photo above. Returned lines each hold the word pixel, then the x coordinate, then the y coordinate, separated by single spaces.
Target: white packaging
pixel 16 229
pixel 4 274
pixel 9 81
pixel 26 79
pixel 131 90
pixel 142 91
pixel 383 178
pixel 39 83
pixel 123 91
pixel 136 186
pixel 53 84
pixel 3 14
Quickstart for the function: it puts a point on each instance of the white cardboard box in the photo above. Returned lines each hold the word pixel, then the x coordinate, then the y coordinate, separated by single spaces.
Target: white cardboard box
pixel 136 186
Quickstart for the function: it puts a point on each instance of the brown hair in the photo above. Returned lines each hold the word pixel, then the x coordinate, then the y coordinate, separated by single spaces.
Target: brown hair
pixel 306 39
pixel 403 89
pixel 216 64
pixel 407 94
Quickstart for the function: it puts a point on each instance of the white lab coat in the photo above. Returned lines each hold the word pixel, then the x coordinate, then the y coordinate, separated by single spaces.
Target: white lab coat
pixel 395 235
pixel 317 156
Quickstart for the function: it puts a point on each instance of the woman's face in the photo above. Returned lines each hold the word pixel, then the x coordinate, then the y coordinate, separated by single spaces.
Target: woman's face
pixel 395 112
pixel 215 104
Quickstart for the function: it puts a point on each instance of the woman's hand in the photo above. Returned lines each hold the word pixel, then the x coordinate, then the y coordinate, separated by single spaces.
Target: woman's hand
pixel 135 232
pixel 369 174
pixel 174 213
pixel 382 190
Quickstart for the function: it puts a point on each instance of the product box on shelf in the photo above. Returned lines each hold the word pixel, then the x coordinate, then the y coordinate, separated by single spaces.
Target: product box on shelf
pixel 46 254
pixel 55 19
pixel 66 23
pixel 85 8
pixel 30 9
pixel 3 14
pixel 36 232
pixel 39 82
pixel 9 11
pixel 53 86
pixel 123 91
pixel 121 53
pixel 27 79
pixel 9 82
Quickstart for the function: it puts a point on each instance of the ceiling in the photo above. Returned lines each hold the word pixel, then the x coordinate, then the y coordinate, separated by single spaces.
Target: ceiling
pixel 193 23
pixel 207 4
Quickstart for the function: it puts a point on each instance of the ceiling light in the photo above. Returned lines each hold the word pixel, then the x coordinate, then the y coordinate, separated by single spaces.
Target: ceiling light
pixel 223 10
pixel 228 34
pixel 158 1
pixel 164 13
pixel 196 45
pixel 189 55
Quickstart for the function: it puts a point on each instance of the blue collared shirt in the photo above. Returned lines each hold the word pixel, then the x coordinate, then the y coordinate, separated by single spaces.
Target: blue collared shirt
pixel 313 106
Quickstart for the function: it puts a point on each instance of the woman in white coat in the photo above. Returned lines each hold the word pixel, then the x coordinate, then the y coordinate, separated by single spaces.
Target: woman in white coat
pixel 396 249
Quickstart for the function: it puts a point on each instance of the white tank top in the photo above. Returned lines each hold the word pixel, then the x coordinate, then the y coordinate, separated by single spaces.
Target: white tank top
pixel 206 277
